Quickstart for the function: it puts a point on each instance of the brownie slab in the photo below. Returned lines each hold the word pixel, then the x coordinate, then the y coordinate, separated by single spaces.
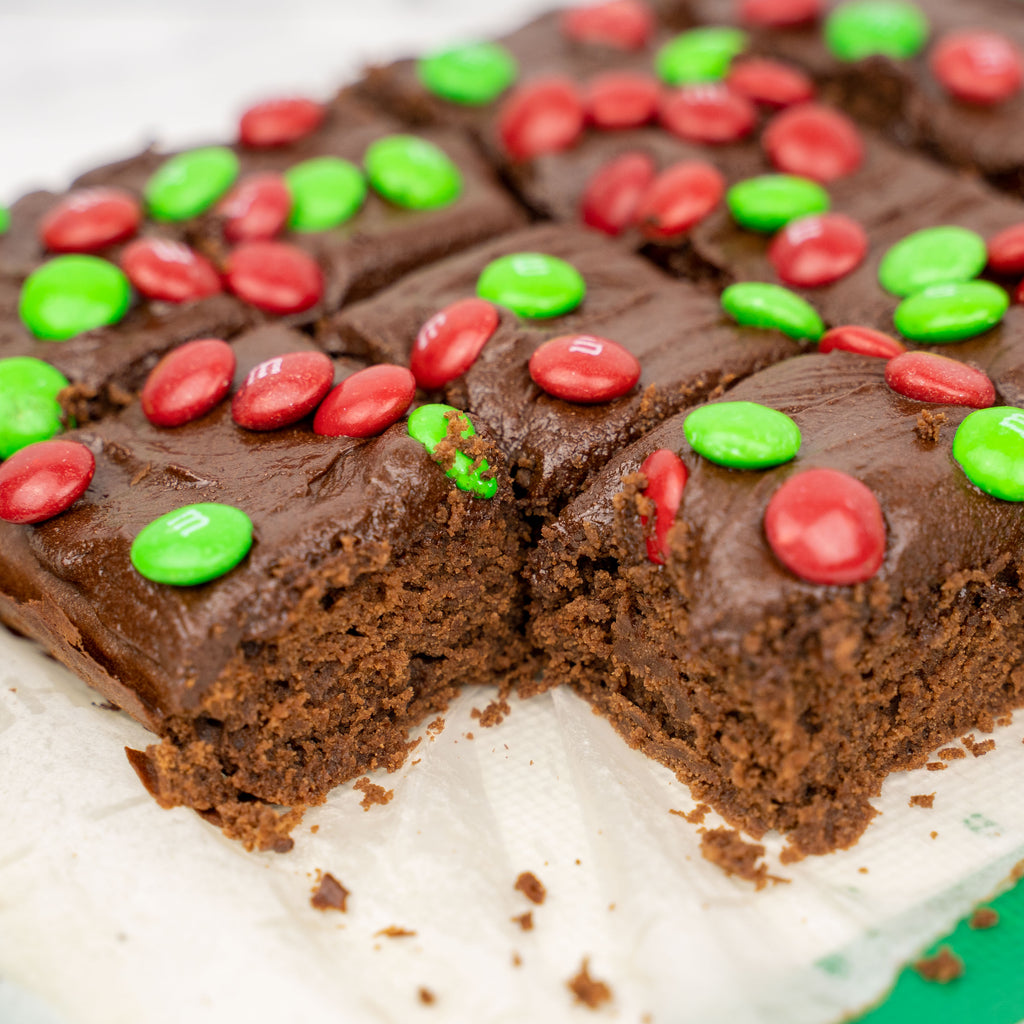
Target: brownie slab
pixel 373 588
pixel 781 702
pixel 686 348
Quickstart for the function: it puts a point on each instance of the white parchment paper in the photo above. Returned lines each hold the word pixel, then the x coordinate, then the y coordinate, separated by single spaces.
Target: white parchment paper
pixel 112 910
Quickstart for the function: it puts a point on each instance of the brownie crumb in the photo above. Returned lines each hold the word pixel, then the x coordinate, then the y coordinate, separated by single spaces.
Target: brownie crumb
pixel 330 894
pixel 727 849
pixel 393 931
pixel 936 766
pixel 468 736
pixel 921 800
pixel 984 917
pixel 862 871
pixel 530 886
pixel 106 705
pixel 943 968
pixel 436 726
pixel 525 921
pixel 952 754
pixel 427 998
pixel 517 960
pixel 929 425
pixel 587 990
pixel 1004 720
pixel 977 749
pixel 373 795
pixel 493 714
pixel 694 817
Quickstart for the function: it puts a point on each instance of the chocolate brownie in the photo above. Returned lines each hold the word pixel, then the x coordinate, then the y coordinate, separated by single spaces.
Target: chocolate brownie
pixel 782 702
pixel 902 95
pixel 686 347
pixel 374 587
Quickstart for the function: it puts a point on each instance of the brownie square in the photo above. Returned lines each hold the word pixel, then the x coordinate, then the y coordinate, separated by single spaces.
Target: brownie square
pixel 781 702
pixel 372 590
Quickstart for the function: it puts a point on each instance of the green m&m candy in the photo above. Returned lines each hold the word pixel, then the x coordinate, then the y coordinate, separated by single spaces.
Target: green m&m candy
pixel 700 55
pixel 532 284
pixel 29 410
pixel 471 75
pixel 5 220
pixel 864 28
pixel 758 304
pixel 989 445
pixel 325 191
pixel 951 312
pixel 939 255
pixel 412 172
pixel 742 435
pixel 193 544
pixel 188 184
pixel 72 294
pixel 770 201
pixel 429 425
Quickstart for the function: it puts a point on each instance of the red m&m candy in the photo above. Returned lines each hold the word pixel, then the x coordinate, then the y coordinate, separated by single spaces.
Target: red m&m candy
pixel 710 113
pixel 450 341
pixel 814 142
pixel 544 116
pixel 188 382
pixel 779 13
pixel 44 479
pixel 621 99
pixel 90 219
pixel 282 390
pixel 366 403
pixel 1006 250
pixel 583 368
pixel 622 24
pixel 769 82
pixel 826 527
pixel 861 341
pixel 978 66
pixel 666 477
pixel 275 277
pixel 817 250
pixel 279 122
pixel 169 271
pixel 612 194
pixel 680 197
pixel 256 209
pixel 927 377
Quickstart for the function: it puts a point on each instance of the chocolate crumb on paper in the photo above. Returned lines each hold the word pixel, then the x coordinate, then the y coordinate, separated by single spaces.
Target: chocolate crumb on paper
pixel 427 998
pixel 945 966
pixel 329 894
pixel 984 917
pixel 921 800
pixel 694 817
pixel 936 766
pixel 525 921
pixel 530 886
pixel 728 850
pixel 394 931
pixel 373 795
pixel 589 991
pixel 976 748
pixel 952 754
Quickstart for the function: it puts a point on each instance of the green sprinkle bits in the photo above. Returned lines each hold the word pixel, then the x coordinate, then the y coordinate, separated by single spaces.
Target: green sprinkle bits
pixel 429 425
